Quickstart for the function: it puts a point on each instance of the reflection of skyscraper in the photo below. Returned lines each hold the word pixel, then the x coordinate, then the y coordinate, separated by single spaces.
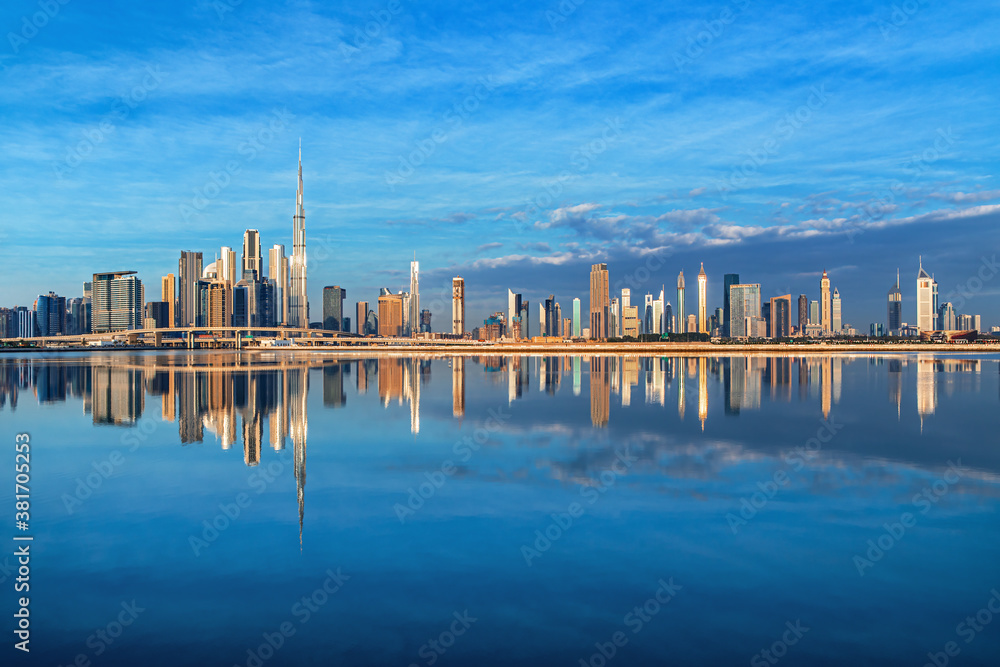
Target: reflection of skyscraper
pixel 458 386
pixel 926 387
pixel 600 390
pixel 333 386
pixel 681 398
pixel 702 391
pixel 896 385
pixel 630 378
pixel 826 388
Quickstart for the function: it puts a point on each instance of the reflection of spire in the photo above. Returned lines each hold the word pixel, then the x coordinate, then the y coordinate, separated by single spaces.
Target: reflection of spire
pixel 298 388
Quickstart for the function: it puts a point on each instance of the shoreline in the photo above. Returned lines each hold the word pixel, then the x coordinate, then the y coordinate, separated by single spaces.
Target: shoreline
pixel 568 349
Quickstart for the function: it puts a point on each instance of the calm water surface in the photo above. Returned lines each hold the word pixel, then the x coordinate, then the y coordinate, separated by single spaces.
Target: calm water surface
pixel 295 509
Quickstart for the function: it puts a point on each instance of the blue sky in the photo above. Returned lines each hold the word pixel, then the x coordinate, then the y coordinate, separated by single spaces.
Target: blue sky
pixel 512 145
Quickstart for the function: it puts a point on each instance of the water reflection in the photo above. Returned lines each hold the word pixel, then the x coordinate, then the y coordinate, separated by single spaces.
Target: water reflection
pixel 232 396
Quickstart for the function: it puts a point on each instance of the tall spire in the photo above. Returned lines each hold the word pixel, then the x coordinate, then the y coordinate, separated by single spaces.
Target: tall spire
pixel 298 303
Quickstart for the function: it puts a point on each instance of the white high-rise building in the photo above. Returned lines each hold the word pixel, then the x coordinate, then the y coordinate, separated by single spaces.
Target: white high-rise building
pixel 298 301
pixel 838 320
pixel 277 268
pixel 702 300
pixel 927 298
pixel 458 306
pixel 226 267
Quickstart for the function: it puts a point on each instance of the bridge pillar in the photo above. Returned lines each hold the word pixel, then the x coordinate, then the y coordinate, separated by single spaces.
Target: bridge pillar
pixel 190 340
pixel 239 341
pixel 157 339
pixel 132 339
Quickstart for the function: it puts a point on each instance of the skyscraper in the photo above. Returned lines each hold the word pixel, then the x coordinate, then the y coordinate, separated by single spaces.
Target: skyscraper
pixel 333 308
pixel 781 316
pixel 117 301
pixel 227 265
pixel 728 281
pixel 277 269
pixel 576 318
pixel 814 313
pixel 702 300
pixel 168 288
pixel 895 308
pixel 600 301
pixel 361 318
pixel 825 304
pixel 681 311
pixel 947 320
pixel 252 260
pixel 803 313
pixel 189 273
pixel 927 300
pixel 837 317
pixel 744 303
pixel 298 301
pixel 390 315
pixel 414 313
pixel 458 306
pixel 514 315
